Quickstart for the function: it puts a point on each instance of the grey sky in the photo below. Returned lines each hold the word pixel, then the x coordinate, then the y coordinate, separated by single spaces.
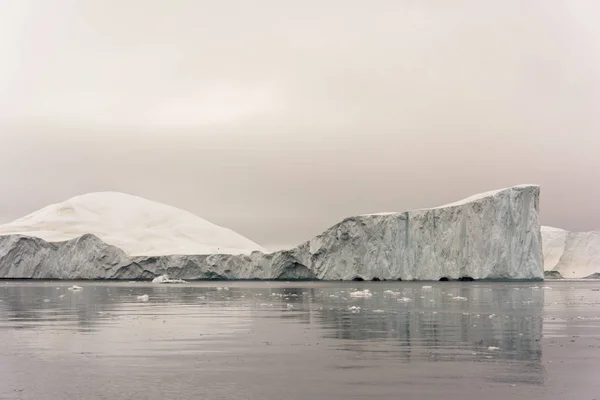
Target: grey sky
pixel 277 118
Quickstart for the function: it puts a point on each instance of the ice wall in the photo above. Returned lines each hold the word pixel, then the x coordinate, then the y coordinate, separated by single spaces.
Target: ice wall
pixel 572 254
pixel 494 235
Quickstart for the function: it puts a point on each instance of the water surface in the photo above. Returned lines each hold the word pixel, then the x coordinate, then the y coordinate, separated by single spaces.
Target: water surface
pixel 268 340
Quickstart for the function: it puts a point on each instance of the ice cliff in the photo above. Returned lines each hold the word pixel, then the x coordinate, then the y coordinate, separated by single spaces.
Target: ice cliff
pixel 572 254
pixel 494 235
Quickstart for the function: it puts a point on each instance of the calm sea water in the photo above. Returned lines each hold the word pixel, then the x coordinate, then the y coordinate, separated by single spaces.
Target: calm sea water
pixel 259 340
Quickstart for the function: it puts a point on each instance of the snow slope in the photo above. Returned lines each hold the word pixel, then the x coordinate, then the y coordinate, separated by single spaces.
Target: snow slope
pixel 136 225
pixel 573 254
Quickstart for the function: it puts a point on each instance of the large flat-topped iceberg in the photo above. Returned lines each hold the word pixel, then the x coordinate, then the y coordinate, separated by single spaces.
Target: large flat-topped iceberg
pixel 135 225
pixel 495 235
pixel 572 254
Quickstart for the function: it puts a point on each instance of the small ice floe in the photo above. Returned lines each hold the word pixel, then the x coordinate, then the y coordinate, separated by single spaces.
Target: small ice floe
pixel 534 287
pixel 378 311
pixel 46 300
pixel 165 279
pixel 546 288
pixel 354 309
pixel 143 297
pixel 61 296
pixel 392 293
pixel 492 348
pixel 289 306
pixel 226 288
pixel 491 316
pixel 75 288
pixel 404 300
pixel 426 287
pixel 459 298
pixel 362 293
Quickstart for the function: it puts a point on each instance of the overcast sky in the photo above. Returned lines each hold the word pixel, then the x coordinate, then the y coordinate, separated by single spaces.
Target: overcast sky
pixel 278 118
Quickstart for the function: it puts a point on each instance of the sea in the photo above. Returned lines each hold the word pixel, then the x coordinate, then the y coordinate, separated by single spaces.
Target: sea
pixel 256 340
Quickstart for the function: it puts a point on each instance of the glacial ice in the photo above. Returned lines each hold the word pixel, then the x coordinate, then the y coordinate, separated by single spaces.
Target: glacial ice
pixel 495 235
pixel 165 279
pixel 135 225
pixel 143 297
pixel 571 254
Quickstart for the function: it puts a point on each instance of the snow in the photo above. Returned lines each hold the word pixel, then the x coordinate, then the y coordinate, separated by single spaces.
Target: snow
pixel 572 254
pixel 134 224
pixel 462 202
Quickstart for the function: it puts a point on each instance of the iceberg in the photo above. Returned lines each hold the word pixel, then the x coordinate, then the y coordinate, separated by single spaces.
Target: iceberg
pixel 135 225
pixel 166 279
pixel 494 235
pixel 570 254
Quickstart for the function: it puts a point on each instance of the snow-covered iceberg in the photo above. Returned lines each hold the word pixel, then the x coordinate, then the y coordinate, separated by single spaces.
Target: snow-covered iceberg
pixel 138 226
pixel 494 235
pixel 572 254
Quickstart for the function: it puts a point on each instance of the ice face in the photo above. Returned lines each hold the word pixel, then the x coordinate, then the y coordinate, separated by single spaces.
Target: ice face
pixel 572 254
pixel 493 235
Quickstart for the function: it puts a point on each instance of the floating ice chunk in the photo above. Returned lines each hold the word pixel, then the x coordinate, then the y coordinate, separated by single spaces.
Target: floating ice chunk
pixel 459 298
pixel 354 309
pixel 289 306
pixel 143 297
pixel 75 288
pixel 491 316
pixel 379 311
pixel 404 299
pixel 46 300
pixel 426 287
pixel 546 288
pixel 362 293
pixel 392 293
pixel 165 279
pixel 492 348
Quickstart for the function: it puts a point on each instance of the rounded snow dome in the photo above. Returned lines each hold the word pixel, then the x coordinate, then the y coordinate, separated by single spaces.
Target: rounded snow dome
pixel 136 225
